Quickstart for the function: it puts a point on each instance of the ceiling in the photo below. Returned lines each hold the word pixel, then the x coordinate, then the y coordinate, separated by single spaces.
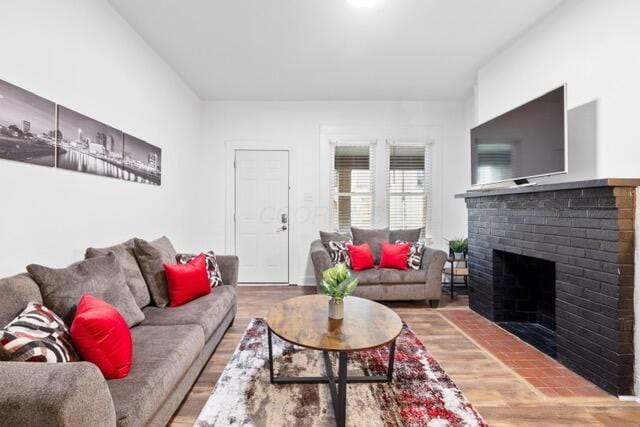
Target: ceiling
pixel 330 49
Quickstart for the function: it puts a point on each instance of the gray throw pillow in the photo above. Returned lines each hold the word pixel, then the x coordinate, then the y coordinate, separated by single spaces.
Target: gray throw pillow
pixel 333 236
pixel 101 277
pixel 151 257
pixel 127 259
pixel 373 237
pixel 412 235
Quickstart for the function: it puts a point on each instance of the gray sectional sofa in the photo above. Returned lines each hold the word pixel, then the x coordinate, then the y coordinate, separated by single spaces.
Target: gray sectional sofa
pixel 171 346
pixel 384 284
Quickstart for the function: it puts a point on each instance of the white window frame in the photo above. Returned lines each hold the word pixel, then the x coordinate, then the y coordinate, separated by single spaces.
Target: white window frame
pixel 428 182
pixel 372 171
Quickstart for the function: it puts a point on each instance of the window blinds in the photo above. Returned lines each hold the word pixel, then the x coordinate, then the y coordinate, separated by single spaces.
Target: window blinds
pixel 352 198
pixel 409 186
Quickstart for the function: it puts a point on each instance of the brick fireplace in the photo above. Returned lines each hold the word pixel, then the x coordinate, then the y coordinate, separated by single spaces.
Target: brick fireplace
pixel 553 264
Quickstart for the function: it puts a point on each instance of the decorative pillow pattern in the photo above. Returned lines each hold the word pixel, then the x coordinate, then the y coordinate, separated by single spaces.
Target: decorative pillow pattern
pixel 213 271
pixel 338 252
pixel 36 335
pixel 414 260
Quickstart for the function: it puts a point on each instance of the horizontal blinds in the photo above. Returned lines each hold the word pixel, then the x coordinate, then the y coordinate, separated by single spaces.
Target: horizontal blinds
pixel 352 186
pixel 408 181
pixel 494 162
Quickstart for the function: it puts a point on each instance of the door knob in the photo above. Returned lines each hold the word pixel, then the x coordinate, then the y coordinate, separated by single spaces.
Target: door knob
pixel 283 228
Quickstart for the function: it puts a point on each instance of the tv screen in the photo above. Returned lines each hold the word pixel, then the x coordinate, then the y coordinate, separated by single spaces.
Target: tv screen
pixel 525 142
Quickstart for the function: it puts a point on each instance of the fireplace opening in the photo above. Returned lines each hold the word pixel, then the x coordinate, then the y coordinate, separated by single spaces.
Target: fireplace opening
pixel 525 298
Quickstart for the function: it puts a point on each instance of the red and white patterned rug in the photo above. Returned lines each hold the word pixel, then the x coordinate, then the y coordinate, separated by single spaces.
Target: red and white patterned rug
pixel 421 393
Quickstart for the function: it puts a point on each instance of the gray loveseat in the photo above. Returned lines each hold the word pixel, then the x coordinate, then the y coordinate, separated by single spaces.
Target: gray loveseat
pixel 382 283
pixel 171 346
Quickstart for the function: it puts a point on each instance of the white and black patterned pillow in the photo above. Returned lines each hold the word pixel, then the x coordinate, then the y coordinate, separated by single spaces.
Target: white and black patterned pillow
pixel 338 252
pixel 414 259
pixel 213 271
pixel 37 335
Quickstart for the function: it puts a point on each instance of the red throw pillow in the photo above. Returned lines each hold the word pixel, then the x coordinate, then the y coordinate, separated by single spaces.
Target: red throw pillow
pixel 394 255
pixel 187 281
pixel 101 336
pixel 361 257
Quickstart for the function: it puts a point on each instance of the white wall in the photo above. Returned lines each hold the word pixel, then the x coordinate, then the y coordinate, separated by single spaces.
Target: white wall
pixel 83 55
pixel 592 45
pixel 299 127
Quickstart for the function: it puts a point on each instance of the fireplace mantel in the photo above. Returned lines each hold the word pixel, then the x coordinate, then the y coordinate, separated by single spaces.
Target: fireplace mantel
pixel 535 188
pixel 587 229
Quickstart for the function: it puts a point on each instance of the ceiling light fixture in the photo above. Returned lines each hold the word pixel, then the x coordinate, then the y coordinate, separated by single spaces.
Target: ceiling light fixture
pixel 364 3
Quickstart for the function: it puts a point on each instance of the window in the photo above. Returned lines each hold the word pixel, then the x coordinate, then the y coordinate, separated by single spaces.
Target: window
pixel 409 186
pixel 352 189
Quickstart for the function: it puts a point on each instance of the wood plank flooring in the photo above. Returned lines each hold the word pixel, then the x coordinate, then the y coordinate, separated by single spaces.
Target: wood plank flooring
pixel 501 395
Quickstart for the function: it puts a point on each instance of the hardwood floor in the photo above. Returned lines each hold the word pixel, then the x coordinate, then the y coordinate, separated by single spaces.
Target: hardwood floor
pixel 501 395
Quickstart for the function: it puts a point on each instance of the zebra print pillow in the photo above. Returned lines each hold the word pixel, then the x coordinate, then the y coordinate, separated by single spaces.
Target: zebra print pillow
pixel 37 335
pixel 414 260
pixel 338 252
pixel 213 271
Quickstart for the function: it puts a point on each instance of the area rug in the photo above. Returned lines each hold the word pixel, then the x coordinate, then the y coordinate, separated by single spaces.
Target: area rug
pixel 421 393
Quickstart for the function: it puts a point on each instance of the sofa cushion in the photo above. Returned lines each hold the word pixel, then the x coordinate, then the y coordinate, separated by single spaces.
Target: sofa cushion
pixel 101 277
pixel 367 277
pixel 373 237
pixel 213 270
pixel 391 276
pixel 151 257
pixel 328 236
pixel 17 292
pixel 187 282
pixel 360 256
pixel 101 336
pixel 207 311
pixel 127 259
pixel 394 255
pixel 162 356
pixel 37 335
pixel 412 235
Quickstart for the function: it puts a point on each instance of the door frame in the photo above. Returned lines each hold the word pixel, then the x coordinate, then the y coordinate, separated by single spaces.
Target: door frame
pixel 233 148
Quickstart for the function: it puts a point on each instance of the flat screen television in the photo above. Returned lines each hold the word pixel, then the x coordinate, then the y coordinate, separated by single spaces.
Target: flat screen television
pixel 526 142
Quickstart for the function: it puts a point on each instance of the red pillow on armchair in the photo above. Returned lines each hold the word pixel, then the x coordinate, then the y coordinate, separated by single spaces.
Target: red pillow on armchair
pixel 361 257
pixel 394 255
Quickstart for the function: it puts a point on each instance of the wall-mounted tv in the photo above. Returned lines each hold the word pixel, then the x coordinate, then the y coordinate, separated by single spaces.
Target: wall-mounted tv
pixel 526 142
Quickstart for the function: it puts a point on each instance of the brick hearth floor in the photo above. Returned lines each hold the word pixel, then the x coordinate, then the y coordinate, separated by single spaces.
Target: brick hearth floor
pixel 544 373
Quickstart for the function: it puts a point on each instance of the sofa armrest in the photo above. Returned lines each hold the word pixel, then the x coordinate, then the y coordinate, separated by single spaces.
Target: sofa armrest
pixel 229 265
pixel 320 259
pixel 60 394
pixel 433 262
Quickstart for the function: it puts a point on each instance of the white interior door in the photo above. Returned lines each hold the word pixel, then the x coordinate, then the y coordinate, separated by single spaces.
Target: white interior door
pixel 262 215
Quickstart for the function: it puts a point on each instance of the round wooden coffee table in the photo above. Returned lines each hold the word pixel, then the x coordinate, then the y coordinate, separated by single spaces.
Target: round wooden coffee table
pixel 304 321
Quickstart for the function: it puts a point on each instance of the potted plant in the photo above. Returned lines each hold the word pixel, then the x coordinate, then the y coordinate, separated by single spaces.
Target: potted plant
pixel 337 282
pixel 458 247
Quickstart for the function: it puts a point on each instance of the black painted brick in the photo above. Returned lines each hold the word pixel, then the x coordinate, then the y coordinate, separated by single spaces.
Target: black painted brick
pixel 589 234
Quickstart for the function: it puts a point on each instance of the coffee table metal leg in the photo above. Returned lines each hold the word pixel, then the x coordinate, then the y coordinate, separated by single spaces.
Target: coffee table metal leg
pixel 341 414
pixel 392 358
pixel 270 356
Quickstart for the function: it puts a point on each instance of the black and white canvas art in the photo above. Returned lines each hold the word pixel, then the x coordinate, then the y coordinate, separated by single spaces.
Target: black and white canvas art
pixel 87 145
pixel 27 126
pixel 142 161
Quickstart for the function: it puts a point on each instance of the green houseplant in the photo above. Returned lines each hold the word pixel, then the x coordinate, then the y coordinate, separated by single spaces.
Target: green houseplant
pixel 337 282
pixel 458 247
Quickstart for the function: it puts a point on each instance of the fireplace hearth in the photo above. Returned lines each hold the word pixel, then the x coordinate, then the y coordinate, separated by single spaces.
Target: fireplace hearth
pixel 554 265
